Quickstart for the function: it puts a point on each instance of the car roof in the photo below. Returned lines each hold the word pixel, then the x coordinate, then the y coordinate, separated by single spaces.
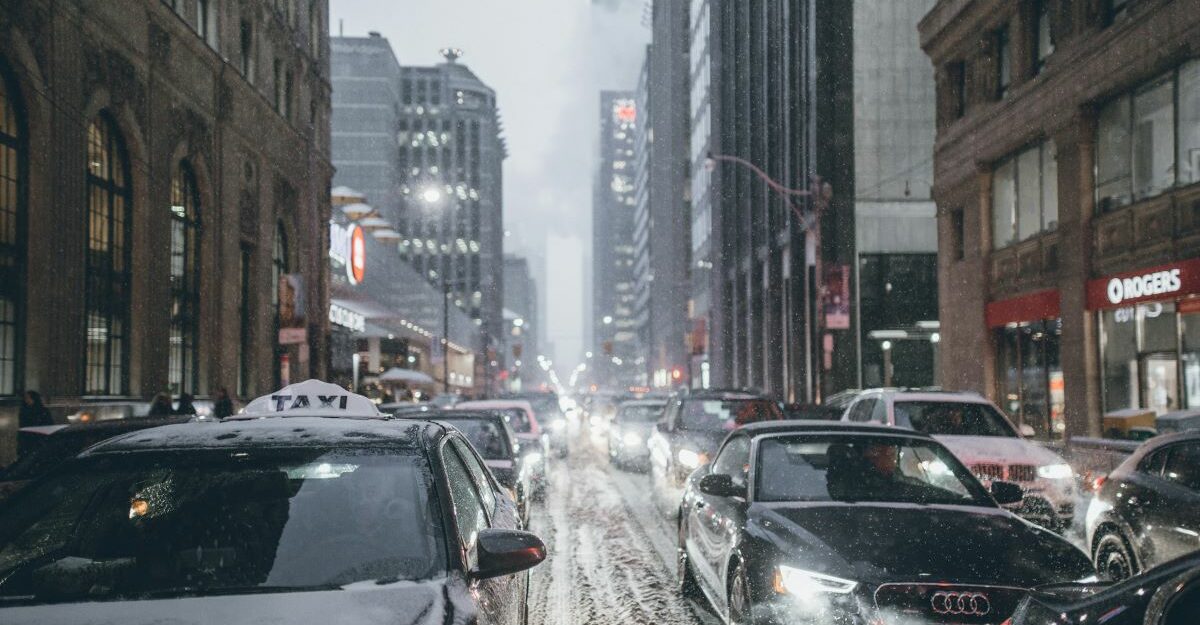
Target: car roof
pixel 927 395
pixel 1163 440
pixel 799 426
pixel 717 393
pixel 479 415
pixel 496 404
pixel 292 432
pixel 643 402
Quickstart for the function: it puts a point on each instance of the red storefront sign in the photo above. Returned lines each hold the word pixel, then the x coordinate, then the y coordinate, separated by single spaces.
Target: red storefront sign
pixel 1161 283
pixel 1031 307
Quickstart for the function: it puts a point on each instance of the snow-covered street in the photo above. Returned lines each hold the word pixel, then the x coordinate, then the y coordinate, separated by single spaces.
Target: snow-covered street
pixel 611 555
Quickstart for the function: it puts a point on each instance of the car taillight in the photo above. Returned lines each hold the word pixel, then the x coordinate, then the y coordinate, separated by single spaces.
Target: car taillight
pixel 1098 482
pixel 1007 621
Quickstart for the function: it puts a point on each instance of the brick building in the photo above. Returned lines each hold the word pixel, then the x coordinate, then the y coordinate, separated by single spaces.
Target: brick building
pixel 164 195
pixel 1066 163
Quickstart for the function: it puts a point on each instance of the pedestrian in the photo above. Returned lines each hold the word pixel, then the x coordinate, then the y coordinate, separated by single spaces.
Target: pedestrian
pixel 185 405
pixel 33 411
pixel 223 406
pixel 161 406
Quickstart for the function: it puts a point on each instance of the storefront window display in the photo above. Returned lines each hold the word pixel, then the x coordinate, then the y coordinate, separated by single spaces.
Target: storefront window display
pixel 1030 375
pixel 1140 356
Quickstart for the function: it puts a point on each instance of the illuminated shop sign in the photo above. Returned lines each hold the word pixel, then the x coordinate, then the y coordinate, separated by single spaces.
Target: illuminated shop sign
pixel 348 248
pixel 347 318
pixel 1162 283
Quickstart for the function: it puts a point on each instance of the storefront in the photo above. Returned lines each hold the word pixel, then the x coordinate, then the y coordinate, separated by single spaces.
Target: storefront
pixel 1149 325
pixel 1027 332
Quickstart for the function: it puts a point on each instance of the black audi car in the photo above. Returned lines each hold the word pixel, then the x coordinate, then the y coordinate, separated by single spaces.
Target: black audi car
pixel 689 430
pixel 309 507
pixel 819 522
pixel 1147 510
pixel 1168 594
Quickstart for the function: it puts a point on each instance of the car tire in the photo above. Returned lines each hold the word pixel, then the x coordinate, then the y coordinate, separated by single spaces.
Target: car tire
pixel 689 588
pixel 741 607
pixel 1113 557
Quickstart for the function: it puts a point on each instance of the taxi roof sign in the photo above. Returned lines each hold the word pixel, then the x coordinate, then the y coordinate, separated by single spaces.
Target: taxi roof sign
pixel 311 398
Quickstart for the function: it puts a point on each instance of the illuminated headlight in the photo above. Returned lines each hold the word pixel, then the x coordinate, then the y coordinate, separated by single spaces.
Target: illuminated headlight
pixel 807 584
pixel 558 425
pixel 534 458
pixel 691 459
pixel 632 439
pixel 1090 579
pixel 1055 471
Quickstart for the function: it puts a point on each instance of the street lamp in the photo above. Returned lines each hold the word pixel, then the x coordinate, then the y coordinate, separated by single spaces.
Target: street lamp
pixel 432 197
pixel 821 192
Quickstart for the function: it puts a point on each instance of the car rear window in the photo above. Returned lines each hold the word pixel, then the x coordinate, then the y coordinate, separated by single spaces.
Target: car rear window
pixel 727 414
pixel 952 418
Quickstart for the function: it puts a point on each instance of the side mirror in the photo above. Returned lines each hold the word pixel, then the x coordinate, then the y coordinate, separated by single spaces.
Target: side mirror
pixel 720 485
pixel 1006 493
pixel 1027 430
pixel 503 552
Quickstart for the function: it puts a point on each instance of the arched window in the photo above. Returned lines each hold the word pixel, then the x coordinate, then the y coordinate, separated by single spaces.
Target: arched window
pixel 106 292
pixel 185 280
pixel 12 235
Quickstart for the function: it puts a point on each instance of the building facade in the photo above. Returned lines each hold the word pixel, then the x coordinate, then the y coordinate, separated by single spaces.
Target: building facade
pixel 451 156
pixel 521 310
pixel 165 185
pixel 643 272
pixel 1066 184
pixel 614 327
pixel 702 250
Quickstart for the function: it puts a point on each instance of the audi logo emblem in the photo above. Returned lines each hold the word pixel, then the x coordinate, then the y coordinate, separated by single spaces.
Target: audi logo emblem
pixel 960 603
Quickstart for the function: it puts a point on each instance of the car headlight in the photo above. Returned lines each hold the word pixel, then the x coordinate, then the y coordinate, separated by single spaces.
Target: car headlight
pixel 534 457
pixel 631 439
pixel 691 459
pixel 1055 471
pixel 807 584
pixel 558 425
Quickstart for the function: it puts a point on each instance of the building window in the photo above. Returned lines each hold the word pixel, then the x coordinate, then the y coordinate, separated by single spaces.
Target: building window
pixel 1115 10
pixel 279 271
pixel 277 76
pixel 185 281
pixel 247 46
pixel 1029 375
pixel 1139 349
pixel 289 95
pixel 315 32
pixel 956 72
pixel 1148 141
pixel 12 236
pixel 1043 36
pixel 1003 62
pixel 107 271
pixel 243 384
pixel 204 21
pixel 1025 195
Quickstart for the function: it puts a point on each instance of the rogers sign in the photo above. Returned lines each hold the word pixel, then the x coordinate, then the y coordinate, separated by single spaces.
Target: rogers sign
pixel 1165 282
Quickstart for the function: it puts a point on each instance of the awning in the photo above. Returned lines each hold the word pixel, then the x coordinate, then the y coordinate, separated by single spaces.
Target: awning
pixel 396 374
pixel 1032 307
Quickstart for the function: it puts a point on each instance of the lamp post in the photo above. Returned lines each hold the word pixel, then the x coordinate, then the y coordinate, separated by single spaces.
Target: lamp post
pixel 431 196
pixel 821 192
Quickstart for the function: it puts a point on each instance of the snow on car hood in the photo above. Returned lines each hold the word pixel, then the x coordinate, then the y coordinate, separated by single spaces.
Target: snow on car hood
pixel 401 603
pixel 998 449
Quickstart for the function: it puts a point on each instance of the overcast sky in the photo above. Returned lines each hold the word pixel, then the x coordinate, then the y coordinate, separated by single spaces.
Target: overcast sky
pixel 547 61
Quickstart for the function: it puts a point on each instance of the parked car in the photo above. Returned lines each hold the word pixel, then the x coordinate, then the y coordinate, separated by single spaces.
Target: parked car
pixel 1168 594
pixel 534 440
pixel 689 430
pixel 983 439
pixel 630 431
pixel 494 439
pixel 1147 510
pixel 43 447
pixel 310 507
pixel 826 522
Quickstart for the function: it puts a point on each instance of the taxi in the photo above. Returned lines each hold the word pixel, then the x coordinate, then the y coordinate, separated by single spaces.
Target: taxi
pixel 310 506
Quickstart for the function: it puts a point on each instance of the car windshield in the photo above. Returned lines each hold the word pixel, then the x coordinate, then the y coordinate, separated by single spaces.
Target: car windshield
pixel 952 418
pixel 517 419
pixel 545 407
pixel 727 414
pixel 863 468
pixel 640 413
pixel 182 523
pixel 486 436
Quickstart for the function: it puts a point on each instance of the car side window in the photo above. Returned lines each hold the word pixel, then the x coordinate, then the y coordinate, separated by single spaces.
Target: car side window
pixel 479 474
pixel 1183 465
pixel 861 412
pixel 1152 463
pixel 879 412
pixel 468 508
pixel 734 460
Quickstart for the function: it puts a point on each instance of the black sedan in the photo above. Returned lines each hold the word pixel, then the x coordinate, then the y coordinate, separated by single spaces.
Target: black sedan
pixel 493 438
pixel 287 518
pixel 689 430
pixel 1168 594
pixel 818 522
pixel 1147 510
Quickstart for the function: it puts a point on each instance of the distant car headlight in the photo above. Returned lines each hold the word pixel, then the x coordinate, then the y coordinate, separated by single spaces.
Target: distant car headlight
pixel 534 457
pixel 1055 471
pixel 632 439
pixel 808 585
pixel 691 459
pixel 558 425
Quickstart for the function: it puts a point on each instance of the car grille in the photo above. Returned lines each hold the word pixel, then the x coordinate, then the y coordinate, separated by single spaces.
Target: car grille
pixel 927 603
pixel 987 471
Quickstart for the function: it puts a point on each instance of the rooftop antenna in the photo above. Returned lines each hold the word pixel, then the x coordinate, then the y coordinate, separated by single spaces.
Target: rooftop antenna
pixel 451 54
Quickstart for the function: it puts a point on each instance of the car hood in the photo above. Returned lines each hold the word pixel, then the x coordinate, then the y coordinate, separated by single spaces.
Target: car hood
pixel 402 603
pixel 878 543
pixel 998 449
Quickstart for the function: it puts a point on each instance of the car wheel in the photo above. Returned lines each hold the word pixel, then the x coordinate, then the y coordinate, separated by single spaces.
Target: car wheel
pixel 689 588
pixel 1114 560
pixel 741 609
